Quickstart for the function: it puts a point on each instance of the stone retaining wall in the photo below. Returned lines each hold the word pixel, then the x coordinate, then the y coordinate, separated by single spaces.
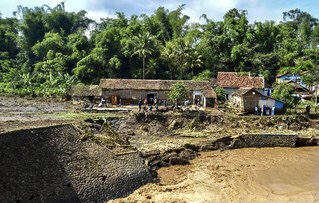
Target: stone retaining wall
pixel 53 164
pixel 264 140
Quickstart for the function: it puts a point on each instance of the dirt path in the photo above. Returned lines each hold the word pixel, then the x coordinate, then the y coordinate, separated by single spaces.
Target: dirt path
pixel 243 175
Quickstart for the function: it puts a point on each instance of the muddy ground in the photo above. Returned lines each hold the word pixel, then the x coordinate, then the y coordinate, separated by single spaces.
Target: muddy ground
pixel 241 175
pixel 175 138
pixel 25 112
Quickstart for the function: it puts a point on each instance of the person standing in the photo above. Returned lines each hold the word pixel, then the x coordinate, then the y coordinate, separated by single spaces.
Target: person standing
pixel 262 110
pixel 273 110
pixel 139 105
pixel 256 110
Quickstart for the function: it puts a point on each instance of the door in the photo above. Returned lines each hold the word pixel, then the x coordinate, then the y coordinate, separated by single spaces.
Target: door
pixel 151 98
pixel 114 99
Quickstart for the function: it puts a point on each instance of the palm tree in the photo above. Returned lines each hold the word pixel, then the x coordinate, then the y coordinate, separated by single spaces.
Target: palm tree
pixel 168 55
pixel 143 47
pixel 194 60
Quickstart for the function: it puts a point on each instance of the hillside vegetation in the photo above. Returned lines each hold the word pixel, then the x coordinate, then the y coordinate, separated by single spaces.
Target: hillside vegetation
pixel 44 50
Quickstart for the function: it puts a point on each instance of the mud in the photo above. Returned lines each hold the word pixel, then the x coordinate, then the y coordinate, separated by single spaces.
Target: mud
pixel 240 175
pixel 169 142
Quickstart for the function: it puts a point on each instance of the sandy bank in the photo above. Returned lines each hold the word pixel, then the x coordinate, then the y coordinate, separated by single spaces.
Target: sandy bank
pixel 241 175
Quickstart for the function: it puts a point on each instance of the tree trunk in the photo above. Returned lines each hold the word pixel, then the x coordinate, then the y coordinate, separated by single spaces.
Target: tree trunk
pixel 316 97
pixel 143 67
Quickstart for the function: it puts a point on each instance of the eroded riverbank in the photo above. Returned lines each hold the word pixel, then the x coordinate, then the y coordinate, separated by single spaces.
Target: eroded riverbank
pixel 159 139
pixel 239 175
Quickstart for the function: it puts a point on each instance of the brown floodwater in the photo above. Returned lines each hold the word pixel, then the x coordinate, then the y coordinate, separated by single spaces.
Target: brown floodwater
pixel 241 175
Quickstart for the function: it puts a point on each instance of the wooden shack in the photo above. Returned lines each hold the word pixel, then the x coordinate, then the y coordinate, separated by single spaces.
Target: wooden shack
pixel 246 99
pixel 130 91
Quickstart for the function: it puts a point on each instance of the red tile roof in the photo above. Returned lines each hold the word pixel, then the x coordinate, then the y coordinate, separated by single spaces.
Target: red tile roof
pixel 236 80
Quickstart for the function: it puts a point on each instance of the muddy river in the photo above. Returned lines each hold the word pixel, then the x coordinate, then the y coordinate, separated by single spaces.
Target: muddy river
pixel 241 175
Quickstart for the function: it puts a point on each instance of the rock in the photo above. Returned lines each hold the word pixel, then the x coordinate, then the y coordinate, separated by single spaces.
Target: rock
pixel 178 161
pixel 167 157
pixel 150 153
pixel 187 154
pixel 174 125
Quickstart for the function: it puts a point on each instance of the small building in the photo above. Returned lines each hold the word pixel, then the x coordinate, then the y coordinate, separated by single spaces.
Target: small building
pixel 299 91
pixel 130 91
pixel 290 77
pixel 85 92
pixel 246 99
pixel 232 81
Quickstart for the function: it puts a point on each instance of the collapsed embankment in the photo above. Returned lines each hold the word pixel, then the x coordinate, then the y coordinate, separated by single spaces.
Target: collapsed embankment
pixel 58 164
pixel 69 164
pixel 169 127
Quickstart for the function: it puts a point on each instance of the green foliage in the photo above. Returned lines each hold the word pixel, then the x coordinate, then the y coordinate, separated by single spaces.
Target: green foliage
pixel 220 92
pixel 40 45
pixel 178 93
pixel 204 75
pixel 283 92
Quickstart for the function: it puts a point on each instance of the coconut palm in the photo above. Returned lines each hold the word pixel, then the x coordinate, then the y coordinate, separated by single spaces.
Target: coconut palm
pixel 143 46
pixel 194 60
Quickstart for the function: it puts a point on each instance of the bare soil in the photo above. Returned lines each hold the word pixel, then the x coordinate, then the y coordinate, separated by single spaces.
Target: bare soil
pixel 24 112
pixel 244 175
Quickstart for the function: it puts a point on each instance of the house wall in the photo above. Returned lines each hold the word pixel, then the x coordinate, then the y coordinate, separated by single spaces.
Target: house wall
pixel 237 102
pixel 269 102
pixel 249 102
pixel 133 96
pixel 229 92
pixel 295 78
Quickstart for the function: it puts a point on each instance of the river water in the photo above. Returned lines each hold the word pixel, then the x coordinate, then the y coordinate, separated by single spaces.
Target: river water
pixel 241 175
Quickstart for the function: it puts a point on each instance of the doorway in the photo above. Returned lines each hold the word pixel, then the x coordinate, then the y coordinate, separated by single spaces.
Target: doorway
pixel 151 97
pixel 114 99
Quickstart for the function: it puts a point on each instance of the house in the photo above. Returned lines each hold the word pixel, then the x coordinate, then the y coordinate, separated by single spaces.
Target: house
pixel 85 92
pixel 299 90
pixel 130 91
pixel 232 81
pixel 246 99
pixel 290 77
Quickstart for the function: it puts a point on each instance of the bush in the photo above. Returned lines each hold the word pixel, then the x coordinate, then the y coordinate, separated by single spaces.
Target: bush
pixel 220 92
pixel 177 93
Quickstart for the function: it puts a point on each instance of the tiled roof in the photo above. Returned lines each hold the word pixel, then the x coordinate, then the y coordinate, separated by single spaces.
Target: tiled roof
pixel 243 91
pixel 235 80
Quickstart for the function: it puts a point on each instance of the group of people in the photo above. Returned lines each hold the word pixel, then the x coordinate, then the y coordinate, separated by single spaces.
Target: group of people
pixel 263 110
pixel 147 106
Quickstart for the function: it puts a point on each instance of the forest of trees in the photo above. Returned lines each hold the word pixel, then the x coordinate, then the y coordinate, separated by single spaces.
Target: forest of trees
pixel 44 50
